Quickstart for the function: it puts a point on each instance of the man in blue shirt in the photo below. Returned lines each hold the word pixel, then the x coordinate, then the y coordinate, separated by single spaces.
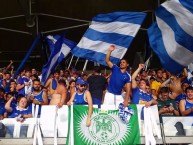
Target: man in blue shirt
pixel 119 78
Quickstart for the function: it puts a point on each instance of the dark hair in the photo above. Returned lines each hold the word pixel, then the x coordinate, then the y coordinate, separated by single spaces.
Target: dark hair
pixel 158 70
pixel 71 81
pixel 57 71
pixel 36 80
pixel 97 69
pixel 35 76
pixel 12 81
pixel 10 93
pixel 189 88
pixel 146 81
pixel 125 60
pixel 2 90
pixel 164 90
pixel 62 81
pixel 7 73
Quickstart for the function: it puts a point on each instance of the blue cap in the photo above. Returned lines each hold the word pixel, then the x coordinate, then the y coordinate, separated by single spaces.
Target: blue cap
pixel 80 82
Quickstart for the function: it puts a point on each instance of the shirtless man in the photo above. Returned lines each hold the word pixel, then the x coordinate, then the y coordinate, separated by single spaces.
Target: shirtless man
pixel 52 83
pixel 59 95
pixel 174 84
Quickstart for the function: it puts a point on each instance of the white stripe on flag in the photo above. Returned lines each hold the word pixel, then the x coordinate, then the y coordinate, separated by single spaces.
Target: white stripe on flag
pixel 65 49
pixel 124 28
pixel 180 13
pixel 52 38
pixel 54 60
pixel 173 49
pixel 100 46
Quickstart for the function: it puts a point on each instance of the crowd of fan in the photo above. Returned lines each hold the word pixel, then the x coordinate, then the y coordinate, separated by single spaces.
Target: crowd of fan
pixel 172 94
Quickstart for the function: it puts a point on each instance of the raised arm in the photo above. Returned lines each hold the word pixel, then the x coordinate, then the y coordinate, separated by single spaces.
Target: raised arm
pixel 8 105
pixel 7 68
pixel 108 62
pixel 185 74
pixel 90 108
pixel 134 83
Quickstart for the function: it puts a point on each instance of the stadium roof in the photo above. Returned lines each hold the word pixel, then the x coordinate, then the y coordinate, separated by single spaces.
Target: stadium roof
pixel 21 20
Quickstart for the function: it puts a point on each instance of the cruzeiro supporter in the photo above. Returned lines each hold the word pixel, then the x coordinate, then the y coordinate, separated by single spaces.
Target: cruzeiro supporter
pixel 119 78
pixel 82 97
pixel 52 84
pixel 38 97
pixel 97 85
pixel 59 95
pixel 139 91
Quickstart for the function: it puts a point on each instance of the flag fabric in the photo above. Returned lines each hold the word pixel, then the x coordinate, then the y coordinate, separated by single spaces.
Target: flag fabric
pixel 171 37
pixel 118 28
pixel 51 40
pixel 61 49
pixel 106 127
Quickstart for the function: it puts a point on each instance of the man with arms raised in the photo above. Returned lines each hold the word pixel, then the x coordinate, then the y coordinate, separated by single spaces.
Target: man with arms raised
pixel 119 78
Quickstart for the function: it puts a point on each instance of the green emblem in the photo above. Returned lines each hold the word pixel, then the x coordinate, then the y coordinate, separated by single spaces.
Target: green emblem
pixel 105 128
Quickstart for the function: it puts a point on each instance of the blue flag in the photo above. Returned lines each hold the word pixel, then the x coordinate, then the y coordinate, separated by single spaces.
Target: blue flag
pixel 171 37
pixel 118 28
pixel 60 50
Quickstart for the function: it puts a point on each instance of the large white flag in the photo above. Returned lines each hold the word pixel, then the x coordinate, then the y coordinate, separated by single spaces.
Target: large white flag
pixel 118 28
pixel 171 37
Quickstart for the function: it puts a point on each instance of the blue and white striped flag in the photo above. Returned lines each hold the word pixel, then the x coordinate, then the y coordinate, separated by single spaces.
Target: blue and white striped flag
pixel 118 28
pixel 61 49
pixel 171 37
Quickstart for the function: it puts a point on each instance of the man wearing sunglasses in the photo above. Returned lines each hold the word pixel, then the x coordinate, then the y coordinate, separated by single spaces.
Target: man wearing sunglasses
pixel 119 78
pixel 82 97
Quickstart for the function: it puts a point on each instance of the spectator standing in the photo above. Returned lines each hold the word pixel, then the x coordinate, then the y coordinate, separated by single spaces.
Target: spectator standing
pixel 118 79
pixel 38 97
pixel 97 85
pixel 139 91
pixel 82 97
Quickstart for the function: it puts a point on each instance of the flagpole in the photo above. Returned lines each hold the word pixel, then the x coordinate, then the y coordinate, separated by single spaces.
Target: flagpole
pixel 147 63
pixel 76 62
pixel 84 68
pixel 70 61
pixel 27 55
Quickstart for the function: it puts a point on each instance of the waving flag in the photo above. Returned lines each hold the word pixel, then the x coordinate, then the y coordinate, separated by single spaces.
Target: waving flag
pixel 171 37
pixel 118 28
pixel 61 49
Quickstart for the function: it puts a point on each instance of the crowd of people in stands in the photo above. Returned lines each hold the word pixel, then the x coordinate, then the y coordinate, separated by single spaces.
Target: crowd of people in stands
pixel 22 97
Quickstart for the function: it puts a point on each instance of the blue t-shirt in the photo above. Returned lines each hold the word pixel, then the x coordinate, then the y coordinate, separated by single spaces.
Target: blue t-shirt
pixel 79 99
pixel 15 112
pixel 2 108
pixel 180 97
pixel 188 105
pixel 21 81
pixel 38 97
pixel 140 97
pixel 1 83
pixel 118 80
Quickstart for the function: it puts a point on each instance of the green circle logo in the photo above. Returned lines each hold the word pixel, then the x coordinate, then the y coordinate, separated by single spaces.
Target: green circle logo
pixel 105 128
